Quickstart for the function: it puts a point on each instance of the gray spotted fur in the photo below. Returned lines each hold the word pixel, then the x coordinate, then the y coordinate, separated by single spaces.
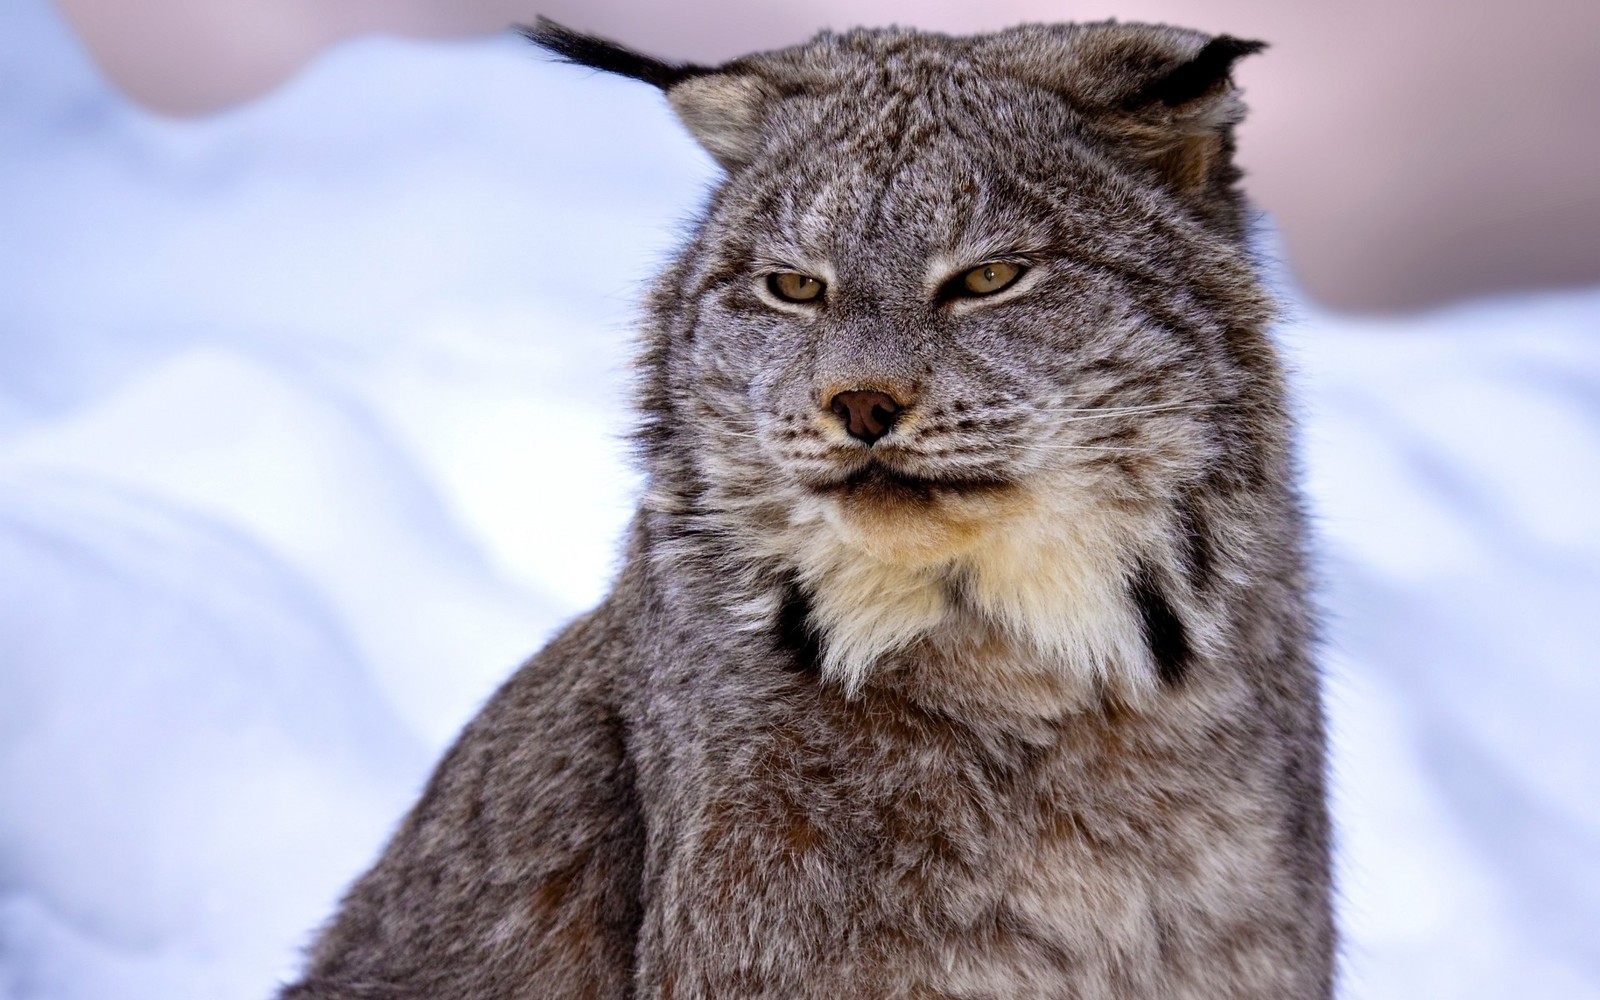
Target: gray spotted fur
pixel 1110 788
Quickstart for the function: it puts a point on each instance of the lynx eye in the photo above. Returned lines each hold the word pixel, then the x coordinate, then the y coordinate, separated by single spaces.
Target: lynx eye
pixel 792 286
pixel 986 279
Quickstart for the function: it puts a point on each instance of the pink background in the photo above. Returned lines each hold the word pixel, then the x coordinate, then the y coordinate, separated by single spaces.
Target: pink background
pixel 1413 153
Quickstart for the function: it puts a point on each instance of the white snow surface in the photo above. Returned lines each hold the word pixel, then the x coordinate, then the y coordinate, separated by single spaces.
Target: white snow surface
pixel 311 428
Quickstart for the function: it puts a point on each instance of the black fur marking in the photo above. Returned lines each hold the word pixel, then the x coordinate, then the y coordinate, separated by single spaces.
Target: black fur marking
pixel 878 481
pixel 1197 77
pixel 597 53
pixel 796 635
pixel 1197 553
pixel 1168 639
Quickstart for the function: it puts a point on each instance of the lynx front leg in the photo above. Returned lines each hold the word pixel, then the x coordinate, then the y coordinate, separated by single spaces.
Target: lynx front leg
pixel 517 875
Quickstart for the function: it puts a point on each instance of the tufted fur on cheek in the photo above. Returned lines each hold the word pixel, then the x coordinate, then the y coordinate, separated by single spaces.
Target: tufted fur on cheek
pixel 1043 573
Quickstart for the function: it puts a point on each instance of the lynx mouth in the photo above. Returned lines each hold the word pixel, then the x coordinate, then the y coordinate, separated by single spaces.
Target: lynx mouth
pixel 881 483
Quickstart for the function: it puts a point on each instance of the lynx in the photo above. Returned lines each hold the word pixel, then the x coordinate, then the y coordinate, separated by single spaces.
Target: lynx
pixel 962 646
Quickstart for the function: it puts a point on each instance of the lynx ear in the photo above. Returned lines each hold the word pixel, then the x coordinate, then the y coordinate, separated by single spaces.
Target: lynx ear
pixel 1207 74
pixel 1181 121
pixel 724 112
pixel 722 108
pixel 1161 96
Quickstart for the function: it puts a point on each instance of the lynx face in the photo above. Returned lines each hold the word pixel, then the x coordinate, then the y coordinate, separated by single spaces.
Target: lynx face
pixel 1056 385
pixel 962 326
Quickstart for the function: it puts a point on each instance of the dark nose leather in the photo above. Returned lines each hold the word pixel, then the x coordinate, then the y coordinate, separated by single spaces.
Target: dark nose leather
pixel 867 413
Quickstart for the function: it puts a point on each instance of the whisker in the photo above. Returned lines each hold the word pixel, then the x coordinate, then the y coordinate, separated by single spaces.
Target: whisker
pixel 1112 411
pixel 730 432
pixel 1074 418
pixel 1110 448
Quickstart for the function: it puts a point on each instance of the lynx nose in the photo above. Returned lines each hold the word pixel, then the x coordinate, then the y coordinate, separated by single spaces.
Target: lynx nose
pixel 867 413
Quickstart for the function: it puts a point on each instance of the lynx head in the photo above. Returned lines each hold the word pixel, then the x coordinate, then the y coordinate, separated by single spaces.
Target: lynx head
pixel 967 336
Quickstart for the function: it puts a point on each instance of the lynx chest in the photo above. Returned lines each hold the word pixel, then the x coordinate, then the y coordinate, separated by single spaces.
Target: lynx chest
pixel 875 843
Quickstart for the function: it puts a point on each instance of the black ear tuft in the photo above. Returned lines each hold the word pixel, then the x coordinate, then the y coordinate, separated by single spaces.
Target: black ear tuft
pixel 1198 77
pixel 597 53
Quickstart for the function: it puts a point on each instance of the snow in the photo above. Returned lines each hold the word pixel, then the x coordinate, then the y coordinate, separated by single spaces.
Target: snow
pixel 1454 461
pixel 310 430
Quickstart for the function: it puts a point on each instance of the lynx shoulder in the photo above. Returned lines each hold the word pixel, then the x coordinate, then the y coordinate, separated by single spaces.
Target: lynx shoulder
pixel 962 647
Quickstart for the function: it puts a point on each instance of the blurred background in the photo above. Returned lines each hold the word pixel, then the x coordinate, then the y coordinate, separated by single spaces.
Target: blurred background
pixel 314 331
pixel 1412 153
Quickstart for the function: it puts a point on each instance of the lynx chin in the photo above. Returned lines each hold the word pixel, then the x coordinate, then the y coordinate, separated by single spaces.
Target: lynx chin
pixel 962 646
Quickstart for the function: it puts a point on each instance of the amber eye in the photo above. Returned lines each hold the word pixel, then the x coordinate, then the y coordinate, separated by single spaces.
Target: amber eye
pixel 986 279
pixel 792 286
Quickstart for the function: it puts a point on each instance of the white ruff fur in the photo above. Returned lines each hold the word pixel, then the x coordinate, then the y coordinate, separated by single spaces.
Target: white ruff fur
pixel 1047 571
